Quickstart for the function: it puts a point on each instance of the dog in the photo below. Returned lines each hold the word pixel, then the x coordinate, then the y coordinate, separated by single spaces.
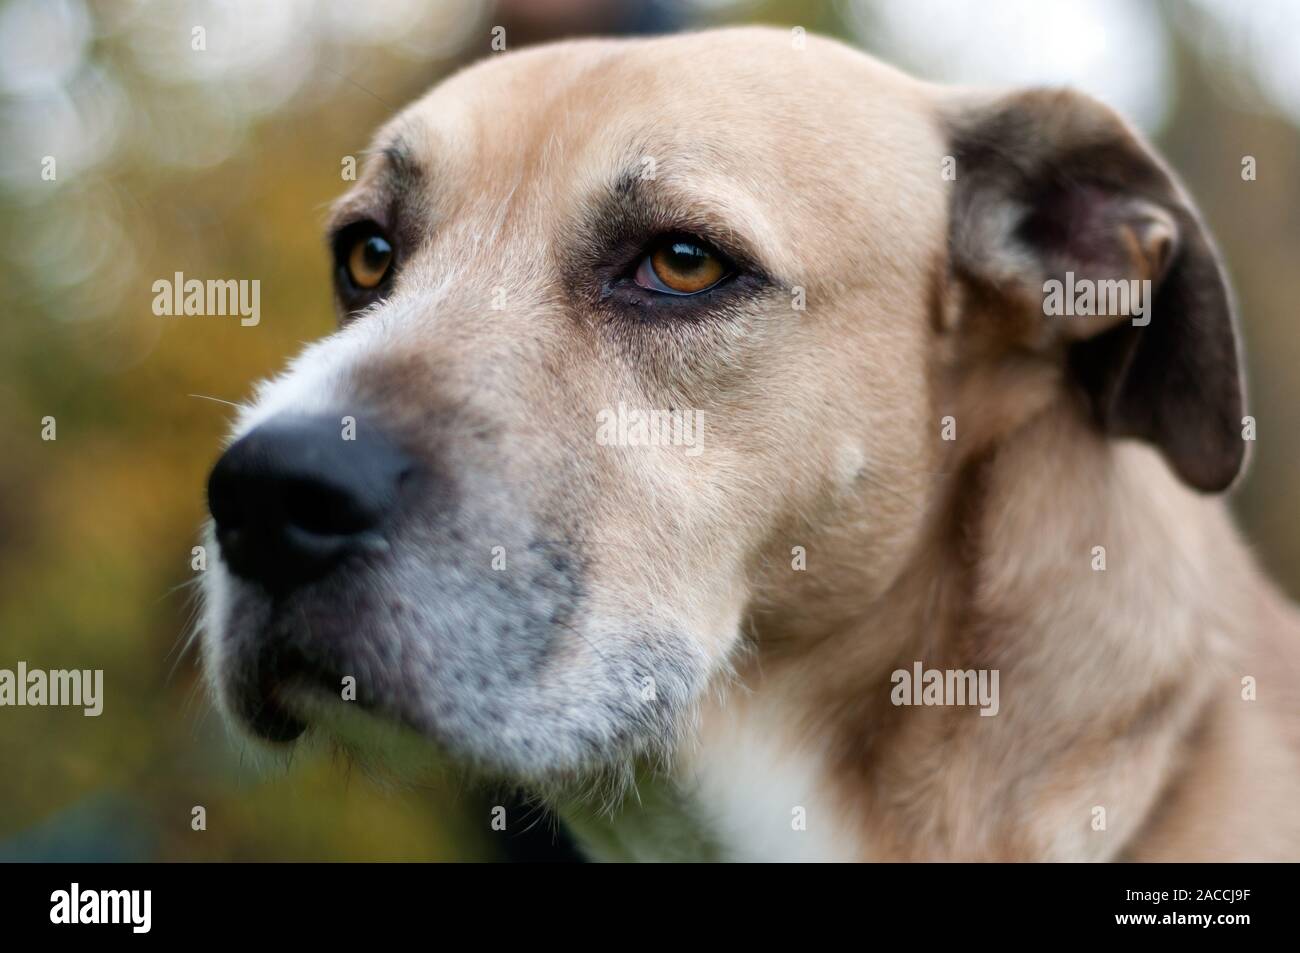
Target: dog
pixel 693 394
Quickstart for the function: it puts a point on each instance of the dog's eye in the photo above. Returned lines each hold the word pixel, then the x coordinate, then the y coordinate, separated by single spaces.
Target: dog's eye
pixel 369 256
pixel 681 265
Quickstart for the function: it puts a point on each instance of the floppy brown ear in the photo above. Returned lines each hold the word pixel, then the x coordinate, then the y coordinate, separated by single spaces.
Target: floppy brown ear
pixel 1051 181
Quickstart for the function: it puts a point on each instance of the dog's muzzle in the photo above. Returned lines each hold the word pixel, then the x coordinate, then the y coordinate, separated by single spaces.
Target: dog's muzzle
pixel 293 501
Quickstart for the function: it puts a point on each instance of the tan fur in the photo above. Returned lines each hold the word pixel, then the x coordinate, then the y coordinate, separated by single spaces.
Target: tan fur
pixel 1120 689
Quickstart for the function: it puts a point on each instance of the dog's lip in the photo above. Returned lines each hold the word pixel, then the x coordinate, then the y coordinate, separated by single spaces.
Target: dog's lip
pixel 274 723
pixel 280 683
pixel 292 704
pixel 311 705
pixel 267 715
pixel 267 699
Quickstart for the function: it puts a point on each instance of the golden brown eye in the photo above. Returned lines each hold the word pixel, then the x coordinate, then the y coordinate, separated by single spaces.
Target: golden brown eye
pixel 681 265
pixel 369 260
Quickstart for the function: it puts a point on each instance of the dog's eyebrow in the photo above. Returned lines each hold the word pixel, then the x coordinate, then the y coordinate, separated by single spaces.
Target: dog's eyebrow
pixel 635 202
pixel 389 188
pixel 401 169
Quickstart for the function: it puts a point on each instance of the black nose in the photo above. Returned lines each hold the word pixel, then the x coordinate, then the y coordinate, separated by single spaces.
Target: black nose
pixel 297 494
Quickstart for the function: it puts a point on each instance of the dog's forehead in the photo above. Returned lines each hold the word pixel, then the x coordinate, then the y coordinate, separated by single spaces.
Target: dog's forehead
pixel 741 101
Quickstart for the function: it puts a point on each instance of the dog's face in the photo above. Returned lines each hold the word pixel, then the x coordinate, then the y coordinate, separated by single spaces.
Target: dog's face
pixel 460 506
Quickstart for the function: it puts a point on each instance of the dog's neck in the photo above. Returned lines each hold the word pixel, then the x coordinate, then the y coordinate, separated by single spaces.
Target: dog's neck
pixel 1065 595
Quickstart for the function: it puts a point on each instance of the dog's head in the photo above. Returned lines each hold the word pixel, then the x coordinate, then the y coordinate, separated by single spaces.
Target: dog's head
pixel 632 335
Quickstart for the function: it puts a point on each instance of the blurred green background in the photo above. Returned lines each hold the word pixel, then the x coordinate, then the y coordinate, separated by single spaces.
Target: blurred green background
pixel 218 163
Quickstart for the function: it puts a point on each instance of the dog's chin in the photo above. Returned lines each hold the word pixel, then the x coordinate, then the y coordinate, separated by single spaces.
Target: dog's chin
pixel 383 746
pixel 390 751
pixel 392 747
pixel 479 683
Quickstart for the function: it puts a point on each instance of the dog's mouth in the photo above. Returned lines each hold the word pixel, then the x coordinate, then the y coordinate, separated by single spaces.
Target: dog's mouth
pixel 271 721
pixel 270 694
pixel 297 699
pixel 301 656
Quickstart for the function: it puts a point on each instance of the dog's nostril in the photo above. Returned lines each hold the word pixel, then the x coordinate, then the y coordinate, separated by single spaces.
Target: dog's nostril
pixel 292 497
pixel 328 510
